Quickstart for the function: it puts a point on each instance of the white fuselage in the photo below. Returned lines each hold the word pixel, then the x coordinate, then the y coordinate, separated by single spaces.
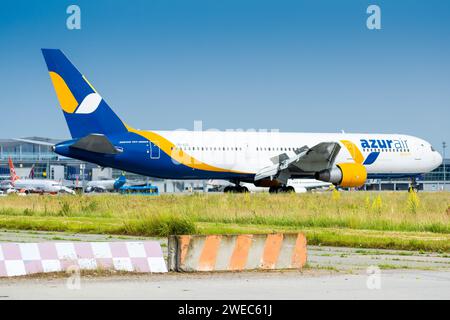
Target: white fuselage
pixel 248 152
pixel 103 184
pixel 40 185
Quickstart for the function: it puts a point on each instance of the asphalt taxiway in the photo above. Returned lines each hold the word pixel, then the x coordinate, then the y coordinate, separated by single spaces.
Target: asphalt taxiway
pixel 331 273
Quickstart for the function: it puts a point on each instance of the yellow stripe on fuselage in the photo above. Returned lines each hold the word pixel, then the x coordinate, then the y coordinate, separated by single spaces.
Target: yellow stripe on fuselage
pixel 178 155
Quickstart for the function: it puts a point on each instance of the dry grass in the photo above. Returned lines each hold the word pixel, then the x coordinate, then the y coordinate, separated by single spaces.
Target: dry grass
pixel 358 210
pixel 142 215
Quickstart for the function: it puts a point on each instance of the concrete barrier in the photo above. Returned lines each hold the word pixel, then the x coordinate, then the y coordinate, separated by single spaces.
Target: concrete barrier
pixel 237 252
pixel 17 259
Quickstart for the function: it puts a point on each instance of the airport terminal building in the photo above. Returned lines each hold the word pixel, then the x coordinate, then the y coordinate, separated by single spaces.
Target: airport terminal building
pixel 27 153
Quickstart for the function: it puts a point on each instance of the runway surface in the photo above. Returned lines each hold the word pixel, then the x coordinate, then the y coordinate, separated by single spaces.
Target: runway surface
pixel 274 285
pixel 332 273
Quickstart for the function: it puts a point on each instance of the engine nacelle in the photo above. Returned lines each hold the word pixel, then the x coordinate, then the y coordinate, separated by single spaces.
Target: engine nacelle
pixel 347 175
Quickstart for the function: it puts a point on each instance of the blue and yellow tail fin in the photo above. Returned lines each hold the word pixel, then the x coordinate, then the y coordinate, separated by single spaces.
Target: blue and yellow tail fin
pixel 84 109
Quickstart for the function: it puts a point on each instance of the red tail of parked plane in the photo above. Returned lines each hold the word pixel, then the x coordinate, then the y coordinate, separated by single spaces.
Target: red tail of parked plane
pixel 12 171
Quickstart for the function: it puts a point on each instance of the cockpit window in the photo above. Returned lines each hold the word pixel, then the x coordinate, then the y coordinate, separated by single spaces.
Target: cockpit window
pixel 432 149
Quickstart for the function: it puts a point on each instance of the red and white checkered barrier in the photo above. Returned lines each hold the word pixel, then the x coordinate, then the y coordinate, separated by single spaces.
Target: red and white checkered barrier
pixel 17 259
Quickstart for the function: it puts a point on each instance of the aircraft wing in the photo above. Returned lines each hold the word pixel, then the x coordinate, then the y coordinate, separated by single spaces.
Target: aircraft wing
pixel 306 161
pixel 37 142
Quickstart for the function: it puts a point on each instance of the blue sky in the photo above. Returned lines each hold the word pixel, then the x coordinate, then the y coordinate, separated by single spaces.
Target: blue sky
pixel 288 65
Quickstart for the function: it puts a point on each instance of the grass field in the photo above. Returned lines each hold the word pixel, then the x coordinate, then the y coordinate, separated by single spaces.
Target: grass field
pixel 359 219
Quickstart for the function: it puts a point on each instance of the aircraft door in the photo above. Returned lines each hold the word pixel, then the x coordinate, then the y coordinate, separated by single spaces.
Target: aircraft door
pixel 155 151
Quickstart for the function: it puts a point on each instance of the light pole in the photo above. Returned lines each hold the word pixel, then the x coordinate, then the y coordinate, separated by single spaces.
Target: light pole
pixel 82 167
pixel 444 145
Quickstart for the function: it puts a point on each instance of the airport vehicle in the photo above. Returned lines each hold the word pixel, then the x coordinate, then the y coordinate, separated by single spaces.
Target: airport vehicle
pixel 35 185
pixel 147 190
pixel 106 185
pixel 265 159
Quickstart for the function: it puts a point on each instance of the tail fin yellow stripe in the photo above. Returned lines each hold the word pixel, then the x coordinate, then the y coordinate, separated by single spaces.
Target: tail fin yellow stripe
pixel 66 99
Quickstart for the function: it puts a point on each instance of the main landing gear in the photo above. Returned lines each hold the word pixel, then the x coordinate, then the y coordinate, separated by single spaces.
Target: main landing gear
pixel 235 189
pixel 281 189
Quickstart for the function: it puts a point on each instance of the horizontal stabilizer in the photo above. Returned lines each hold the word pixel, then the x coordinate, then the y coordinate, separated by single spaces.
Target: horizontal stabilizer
pixel 98 143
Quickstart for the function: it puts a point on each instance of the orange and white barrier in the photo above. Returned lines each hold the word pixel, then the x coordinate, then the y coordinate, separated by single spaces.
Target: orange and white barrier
pixel 237 252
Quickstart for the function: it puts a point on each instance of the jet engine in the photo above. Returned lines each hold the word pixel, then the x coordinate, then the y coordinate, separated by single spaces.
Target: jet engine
pixel 347 175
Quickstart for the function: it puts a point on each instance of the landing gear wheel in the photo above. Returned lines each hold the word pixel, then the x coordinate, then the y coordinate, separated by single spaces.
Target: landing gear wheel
pixel 243 190
pixel 283 189
pixel 273 190
pixel 235 189
pixel 228 189
pixel 289 189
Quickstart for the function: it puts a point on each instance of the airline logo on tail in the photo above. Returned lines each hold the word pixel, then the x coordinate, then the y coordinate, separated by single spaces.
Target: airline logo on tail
pixel 67 100
pixel 31 175
pixel 85 110
pixel 12 172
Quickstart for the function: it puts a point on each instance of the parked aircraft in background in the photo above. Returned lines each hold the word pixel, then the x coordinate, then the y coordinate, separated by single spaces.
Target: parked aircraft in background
pixel 262 158
pixel 106 185
pixel 35 185
pixel 5 184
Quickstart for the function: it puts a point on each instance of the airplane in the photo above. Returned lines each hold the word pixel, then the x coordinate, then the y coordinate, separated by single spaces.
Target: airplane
pixel 265 159
pixel 35 185
pixel 106 185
